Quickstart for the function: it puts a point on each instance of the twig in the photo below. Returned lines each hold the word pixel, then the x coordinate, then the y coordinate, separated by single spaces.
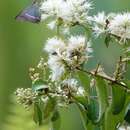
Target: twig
pixel 106 78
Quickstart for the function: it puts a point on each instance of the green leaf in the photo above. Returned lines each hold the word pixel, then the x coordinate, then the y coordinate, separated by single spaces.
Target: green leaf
pixel 96 108
pixel 49 108
pixel 56 120
pixel 102 95
pixel 37 117
pixel 82 100
pixel 111 119
pixel 118 98
pixel 83 115
pixel 93 110
pixel 39 85
pixel 56 116
pixel 84 79
pixel 93 105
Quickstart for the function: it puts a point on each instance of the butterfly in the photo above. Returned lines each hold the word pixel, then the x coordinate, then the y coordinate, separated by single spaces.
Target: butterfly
pixel 30 14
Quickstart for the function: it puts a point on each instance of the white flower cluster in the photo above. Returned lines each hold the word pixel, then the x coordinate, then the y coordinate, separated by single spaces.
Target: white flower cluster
pixel 64 92
pixel 120 26
pixel 67 12
pixel 72 86
pixel 68 55
pixel 100 23
pixel 117 25
pixel 69 88
pixel 25 97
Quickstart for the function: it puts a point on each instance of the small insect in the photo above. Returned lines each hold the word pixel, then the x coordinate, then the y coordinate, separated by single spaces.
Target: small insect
pixel 30 14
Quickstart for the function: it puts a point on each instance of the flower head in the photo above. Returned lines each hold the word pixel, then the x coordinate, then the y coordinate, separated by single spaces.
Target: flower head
pixel 67 12
pixel 57 67
pixel 71 85
pixel 120 26
pixel 66 55
pixel 78 51
pixel 101 21
pixel 54 45
pixel 79 10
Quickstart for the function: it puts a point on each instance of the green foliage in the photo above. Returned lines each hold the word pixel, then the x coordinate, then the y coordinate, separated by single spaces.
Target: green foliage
pixel 93 110
pixel 107 110
pixel 37 117
pixel 56 121
pixel 118 99
pixel 84 79
pixel 102 95
pixel 19 118
pixel 115 119
pixel 49 108
pixel 83 116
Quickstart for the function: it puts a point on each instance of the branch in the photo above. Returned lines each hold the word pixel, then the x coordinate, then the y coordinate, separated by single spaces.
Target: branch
pixel 106 78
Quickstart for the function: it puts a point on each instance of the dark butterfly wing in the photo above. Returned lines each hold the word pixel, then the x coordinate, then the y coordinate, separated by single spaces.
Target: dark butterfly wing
pixel 30 14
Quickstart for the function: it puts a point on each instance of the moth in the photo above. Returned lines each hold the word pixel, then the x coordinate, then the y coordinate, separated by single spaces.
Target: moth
pixel 30 13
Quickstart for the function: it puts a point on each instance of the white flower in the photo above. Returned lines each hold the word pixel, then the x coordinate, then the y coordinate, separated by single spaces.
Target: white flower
pixel 55 9
pixel 71 84
pixel 57 67
pixel 79 43
pixel 54 45
pixel 78 50
pixel 69 11
pixel 51 8
pixel 79 10
pixel 120 26
pixel 68 54
pixel 100 23
pixel 55 48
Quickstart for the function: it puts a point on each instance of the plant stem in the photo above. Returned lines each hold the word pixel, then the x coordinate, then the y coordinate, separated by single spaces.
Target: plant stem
pixel 105 77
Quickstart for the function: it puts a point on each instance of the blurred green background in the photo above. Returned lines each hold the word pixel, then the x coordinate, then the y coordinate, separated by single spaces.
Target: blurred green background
pixel 21 45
